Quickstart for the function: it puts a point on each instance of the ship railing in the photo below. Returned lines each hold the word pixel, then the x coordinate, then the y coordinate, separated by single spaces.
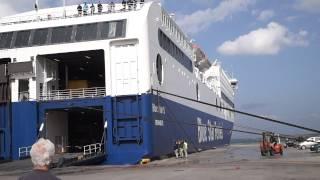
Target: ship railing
pixel 24 152
pixel 73 93
pixel 68 13
pixel 92 149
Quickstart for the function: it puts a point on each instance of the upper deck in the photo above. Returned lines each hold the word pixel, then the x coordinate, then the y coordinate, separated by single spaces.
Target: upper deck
pixel 36 28
pixel 58 53
pixel 68 12
pixel 73 36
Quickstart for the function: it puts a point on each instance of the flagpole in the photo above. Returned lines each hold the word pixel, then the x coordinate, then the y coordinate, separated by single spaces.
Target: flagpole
pixel 64 8
pixel 36 6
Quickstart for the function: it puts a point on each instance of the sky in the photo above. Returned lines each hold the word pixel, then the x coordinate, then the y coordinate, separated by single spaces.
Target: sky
pixel 271 46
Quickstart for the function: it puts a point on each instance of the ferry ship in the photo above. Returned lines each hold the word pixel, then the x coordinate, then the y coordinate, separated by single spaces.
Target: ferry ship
pixel 92 82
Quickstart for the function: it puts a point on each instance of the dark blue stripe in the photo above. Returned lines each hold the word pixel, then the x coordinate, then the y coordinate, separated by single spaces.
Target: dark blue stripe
pixel 179 122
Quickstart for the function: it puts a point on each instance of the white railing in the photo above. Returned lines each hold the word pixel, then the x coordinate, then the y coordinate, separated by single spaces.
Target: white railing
pixel 24 151
pixel 92 149
pixel 70 12
pixel 73 93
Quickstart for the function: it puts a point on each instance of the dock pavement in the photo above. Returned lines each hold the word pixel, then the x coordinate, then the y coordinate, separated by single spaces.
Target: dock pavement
pixel 237 161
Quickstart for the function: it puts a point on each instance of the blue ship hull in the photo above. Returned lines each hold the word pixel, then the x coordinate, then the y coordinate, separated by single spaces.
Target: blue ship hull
pixel 139 127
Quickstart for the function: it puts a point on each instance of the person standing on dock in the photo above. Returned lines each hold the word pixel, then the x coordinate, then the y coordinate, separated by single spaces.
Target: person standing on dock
pixel 92 9
pixel 185 149
pixel 130 3
pixel 176 149
pixel 79 8
pixel 124 3
pixel 134 4
pixel 41 156
pixel 85 9
pixel 111 7
pixel 141 3
pixel 100 8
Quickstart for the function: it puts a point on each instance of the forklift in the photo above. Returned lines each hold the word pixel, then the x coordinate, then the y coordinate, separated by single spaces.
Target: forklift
pixel 270 144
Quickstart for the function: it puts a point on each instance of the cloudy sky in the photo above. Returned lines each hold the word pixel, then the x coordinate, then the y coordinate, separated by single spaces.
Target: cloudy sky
pixel 271 46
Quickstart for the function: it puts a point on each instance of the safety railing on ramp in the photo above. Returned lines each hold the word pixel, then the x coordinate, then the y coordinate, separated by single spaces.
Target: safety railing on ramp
pixel 24 152
pixel 92 154
pixel 92 149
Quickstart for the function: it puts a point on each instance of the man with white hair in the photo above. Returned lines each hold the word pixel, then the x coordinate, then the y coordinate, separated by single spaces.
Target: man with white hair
pixel 41 155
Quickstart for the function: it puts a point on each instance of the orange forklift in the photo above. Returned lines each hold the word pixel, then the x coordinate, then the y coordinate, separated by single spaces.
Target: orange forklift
pixel 270 144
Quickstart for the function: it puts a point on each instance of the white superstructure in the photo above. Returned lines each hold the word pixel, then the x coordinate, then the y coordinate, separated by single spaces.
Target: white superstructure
pixel 99 74
pixel 132 72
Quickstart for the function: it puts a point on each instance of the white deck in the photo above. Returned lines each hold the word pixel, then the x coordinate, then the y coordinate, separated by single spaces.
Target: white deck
pixel 65 13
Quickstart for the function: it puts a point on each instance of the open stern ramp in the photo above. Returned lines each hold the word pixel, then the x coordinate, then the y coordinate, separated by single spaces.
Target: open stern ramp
pixel 121 126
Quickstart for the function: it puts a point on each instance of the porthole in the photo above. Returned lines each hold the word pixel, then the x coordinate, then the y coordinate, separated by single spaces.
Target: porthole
pixel 159 67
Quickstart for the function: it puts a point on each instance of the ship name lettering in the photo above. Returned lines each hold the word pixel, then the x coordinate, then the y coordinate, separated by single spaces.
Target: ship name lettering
pixel 158 122
pixel 158 109
pixel 208 132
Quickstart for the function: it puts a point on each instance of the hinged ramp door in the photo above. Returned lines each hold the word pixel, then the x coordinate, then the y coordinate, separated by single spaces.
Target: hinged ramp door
pixel 124 69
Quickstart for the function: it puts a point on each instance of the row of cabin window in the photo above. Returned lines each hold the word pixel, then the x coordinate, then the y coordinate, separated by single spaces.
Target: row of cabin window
pixel 225 98
pixel 166 20
pixel 231 114
pixel 63 34
pixel 174 51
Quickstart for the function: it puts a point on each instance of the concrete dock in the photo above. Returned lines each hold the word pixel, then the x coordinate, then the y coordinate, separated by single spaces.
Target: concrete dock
pixel 232 162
